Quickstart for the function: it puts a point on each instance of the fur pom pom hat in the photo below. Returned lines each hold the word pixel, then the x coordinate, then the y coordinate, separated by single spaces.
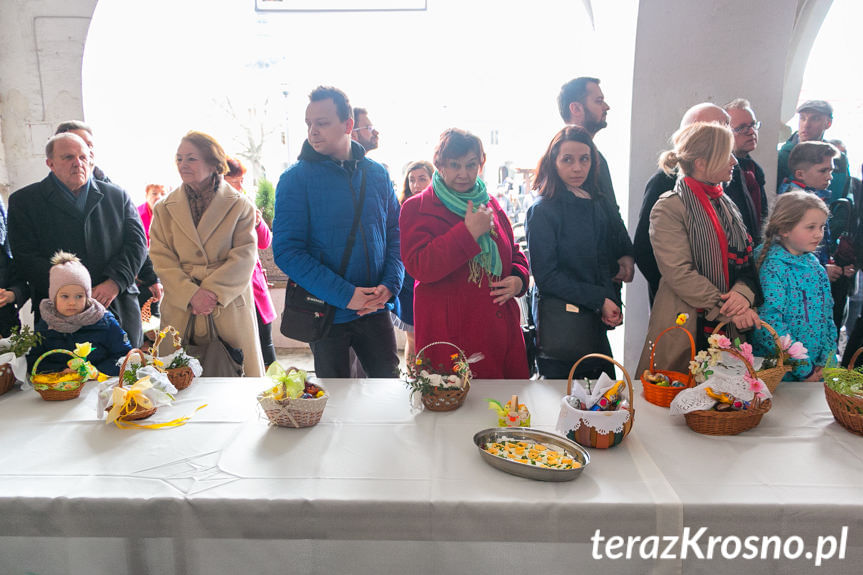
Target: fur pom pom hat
pixel 67 269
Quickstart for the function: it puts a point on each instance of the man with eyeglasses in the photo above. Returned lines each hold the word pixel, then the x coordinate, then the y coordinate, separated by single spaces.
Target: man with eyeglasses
pixel 364 132
pixel 746 188
pixel 815 117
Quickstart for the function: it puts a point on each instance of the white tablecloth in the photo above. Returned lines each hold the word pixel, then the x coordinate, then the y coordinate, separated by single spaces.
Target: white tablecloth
pixel 375 488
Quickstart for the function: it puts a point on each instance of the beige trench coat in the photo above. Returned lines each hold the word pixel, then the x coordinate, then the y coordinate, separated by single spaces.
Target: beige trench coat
pixel 681 290
pixel 218 255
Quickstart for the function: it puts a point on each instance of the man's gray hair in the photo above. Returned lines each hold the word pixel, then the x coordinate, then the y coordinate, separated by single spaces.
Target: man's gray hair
pixel 70 125
pixel 738 104
pixel 49 147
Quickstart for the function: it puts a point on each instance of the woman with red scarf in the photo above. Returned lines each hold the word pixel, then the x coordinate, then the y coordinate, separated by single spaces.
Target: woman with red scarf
pixel 701 246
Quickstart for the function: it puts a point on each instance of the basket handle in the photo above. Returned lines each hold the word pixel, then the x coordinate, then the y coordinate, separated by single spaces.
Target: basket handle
pixel 770 330
pixel 133 351
pixel 160 336
pixel 46 354
pixel 146 314
pixel 612 360
pixel 663 332
pixel 854 359
pixel 460 352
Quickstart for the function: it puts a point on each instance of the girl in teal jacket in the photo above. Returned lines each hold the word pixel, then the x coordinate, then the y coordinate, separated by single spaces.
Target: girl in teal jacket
pixel 797 298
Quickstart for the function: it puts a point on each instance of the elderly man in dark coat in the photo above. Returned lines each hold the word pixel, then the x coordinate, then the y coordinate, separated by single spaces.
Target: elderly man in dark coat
pixel 69 210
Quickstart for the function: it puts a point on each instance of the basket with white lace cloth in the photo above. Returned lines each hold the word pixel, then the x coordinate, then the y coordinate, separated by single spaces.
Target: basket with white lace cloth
pixel 735 376
pixel 12 369
pixel 600 429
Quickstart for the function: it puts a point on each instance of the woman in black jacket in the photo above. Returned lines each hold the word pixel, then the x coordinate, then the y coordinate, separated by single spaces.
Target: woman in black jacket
pixel 567 242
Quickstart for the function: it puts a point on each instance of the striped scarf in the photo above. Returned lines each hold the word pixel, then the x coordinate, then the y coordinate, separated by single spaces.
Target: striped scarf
pixel 717 235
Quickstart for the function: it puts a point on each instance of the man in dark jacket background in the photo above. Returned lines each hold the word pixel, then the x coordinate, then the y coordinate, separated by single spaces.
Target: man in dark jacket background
pixel 97 221
pixel 316 200
pixel 582 103
pixel 746 188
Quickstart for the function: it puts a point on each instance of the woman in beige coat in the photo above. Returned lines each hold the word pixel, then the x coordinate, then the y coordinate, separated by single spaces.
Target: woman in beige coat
pixel 701 247
pixel 203 246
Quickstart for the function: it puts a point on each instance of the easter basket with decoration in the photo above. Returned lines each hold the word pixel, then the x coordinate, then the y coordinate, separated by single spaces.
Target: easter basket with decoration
pixel 598 414
pixel 843 389
pixel 728 402
pixel 13 356
pixel 780 362
pixel 140 389
pixel 662 385
pixel 66 384
pixel 294 401
pixel 180 367
pixel 440 388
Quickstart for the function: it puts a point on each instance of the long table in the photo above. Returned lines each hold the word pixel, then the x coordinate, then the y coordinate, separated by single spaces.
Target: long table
pixel 379 488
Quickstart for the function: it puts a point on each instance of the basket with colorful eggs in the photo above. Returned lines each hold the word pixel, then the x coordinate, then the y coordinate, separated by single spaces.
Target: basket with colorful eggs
pixel 440 388
pixel 65 384
pixel 180 367
pixel 597 414
pixel 13 355
pixel 294 400
pixel 729 401
pixel 844 391
pixel 662 385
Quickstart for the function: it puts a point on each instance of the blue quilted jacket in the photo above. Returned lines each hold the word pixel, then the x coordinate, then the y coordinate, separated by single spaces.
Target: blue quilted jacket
pixel 797 301
pixel 313 215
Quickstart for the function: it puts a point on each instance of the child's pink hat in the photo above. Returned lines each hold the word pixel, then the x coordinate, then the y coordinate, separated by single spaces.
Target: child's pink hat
pixel 67 269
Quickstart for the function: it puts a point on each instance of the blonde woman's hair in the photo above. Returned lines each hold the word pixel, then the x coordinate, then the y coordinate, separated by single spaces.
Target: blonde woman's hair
pixel 787 212
pixel 706 140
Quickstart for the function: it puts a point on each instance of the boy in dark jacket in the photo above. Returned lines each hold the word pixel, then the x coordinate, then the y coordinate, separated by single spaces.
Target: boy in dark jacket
pixel 71 316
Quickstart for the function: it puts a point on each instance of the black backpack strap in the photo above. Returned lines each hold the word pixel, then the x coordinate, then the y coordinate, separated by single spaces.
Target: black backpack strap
pixel 358 212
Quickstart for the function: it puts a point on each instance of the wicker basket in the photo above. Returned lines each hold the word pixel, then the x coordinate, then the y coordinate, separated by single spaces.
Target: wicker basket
pixel 180 377
pixel 446 399
pixel 771 377
pixel 587 435
pixel 137 412
pixel 7 378
pixel 846 409
pixel 294 413
pixel 70 389
pixel 663 395
pixel 711 422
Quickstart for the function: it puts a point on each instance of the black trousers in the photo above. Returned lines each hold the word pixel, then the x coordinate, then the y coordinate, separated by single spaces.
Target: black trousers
pixel 265 334
pixel 373 340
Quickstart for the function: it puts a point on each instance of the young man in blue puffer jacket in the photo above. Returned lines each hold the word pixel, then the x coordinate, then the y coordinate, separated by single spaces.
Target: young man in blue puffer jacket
pixel 315 204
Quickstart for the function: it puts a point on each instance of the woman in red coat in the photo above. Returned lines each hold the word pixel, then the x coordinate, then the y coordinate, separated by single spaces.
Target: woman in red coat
pixel 457 243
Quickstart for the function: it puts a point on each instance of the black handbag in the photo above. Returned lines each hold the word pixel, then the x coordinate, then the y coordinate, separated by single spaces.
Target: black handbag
pixel 308 318
pixel 565 331
pixel 218 359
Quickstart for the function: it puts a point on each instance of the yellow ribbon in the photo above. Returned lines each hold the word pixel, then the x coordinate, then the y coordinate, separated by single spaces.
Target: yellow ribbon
pixel 173 423
pixel 126 401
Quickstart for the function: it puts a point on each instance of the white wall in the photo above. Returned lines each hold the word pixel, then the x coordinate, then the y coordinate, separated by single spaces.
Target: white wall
pixel 41 46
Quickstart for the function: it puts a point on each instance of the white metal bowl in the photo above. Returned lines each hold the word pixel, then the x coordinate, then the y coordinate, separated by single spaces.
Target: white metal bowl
pixel 498 434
